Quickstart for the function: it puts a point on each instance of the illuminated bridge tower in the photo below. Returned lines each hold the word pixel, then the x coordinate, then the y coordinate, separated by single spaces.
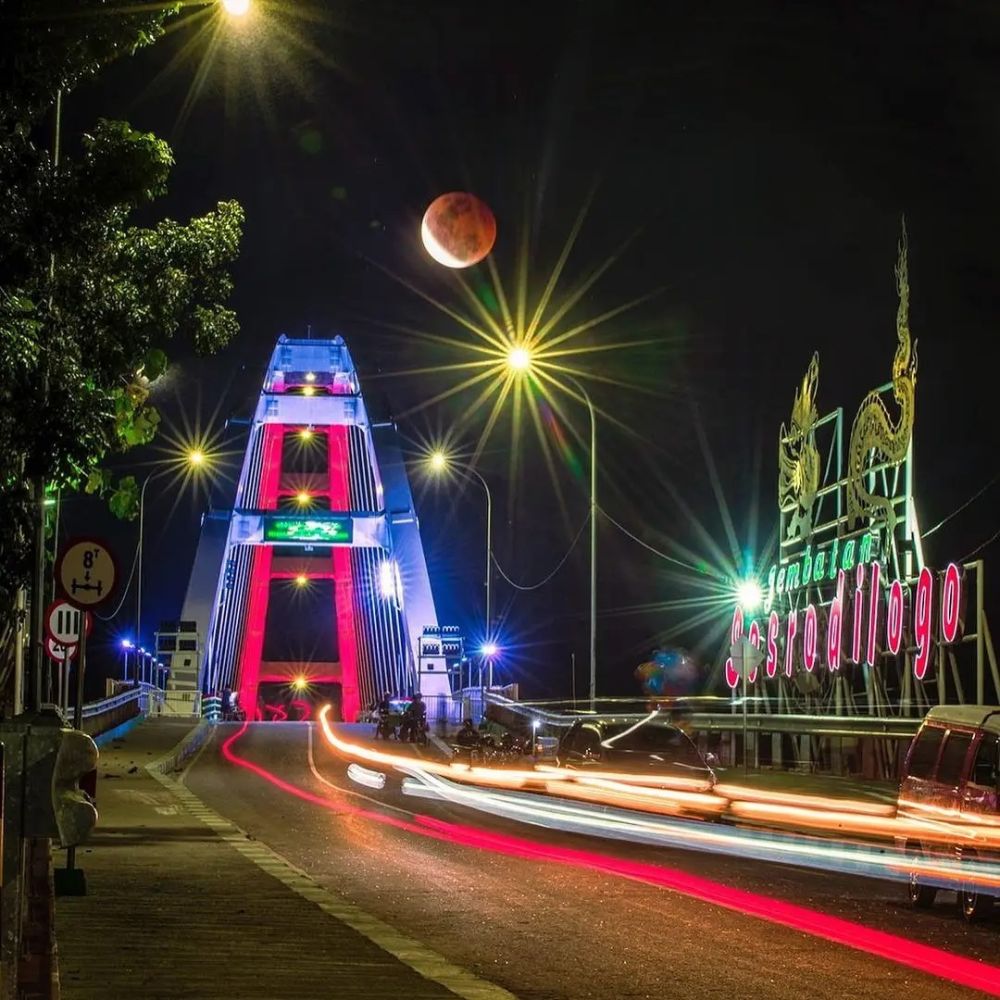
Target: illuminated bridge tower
pixel 315 587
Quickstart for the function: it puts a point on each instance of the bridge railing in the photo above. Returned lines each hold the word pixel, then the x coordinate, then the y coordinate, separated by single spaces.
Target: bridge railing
pixel 108 713
pixel 867 746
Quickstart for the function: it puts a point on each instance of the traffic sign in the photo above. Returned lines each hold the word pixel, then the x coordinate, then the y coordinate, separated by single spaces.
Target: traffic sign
pixel 746 656
pixel 57 651
pixel 87 572
pixel 62 622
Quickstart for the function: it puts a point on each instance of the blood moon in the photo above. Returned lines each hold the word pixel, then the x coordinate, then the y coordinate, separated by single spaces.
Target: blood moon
pixel 458 229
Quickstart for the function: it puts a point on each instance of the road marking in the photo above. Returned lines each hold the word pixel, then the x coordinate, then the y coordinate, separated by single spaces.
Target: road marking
pixel 412 953
pixel 346 791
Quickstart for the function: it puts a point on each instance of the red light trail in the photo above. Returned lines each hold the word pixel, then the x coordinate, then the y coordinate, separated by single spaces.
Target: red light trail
pixel 922 958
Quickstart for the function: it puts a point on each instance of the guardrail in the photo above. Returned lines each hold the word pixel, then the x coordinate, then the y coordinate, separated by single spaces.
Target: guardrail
pixel 109 704
pixel 871 746
pixel 108 713
pixel 894 727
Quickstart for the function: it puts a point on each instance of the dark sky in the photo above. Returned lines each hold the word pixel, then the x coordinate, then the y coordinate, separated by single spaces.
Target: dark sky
pixel 756 156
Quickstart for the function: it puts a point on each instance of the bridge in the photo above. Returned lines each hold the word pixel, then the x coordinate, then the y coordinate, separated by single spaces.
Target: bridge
pixel 314 587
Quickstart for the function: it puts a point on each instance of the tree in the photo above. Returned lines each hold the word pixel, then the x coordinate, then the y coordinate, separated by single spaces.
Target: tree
pixel 88 299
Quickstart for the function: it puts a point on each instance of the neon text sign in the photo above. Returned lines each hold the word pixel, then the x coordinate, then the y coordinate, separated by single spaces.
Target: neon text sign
pixel 875 619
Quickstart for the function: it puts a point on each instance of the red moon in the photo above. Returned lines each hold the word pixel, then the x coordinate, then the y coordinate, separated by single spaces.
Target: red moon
pixel 458 229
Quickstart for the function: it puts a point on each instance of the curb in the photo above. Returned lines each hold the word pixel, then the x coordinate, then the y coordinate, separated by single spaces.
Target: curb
pixel 174 760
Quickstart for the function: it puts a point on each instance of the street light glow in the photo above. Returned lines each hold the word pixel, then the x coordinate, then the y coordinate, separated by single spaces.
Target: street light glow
pixel 300 683
pixel 196 457
pixel 306 433
pixel 749 595
pixel 438 461
pixel 303 497
pixel 236 8
pixel 301 580
pixel 519 358
pixel 489 649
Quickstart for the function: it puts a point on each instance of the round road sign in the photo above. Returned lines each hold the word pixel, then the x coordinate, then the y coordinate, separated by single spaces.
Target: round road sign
pixel 62 622
pixel 87 572
pixel 57 651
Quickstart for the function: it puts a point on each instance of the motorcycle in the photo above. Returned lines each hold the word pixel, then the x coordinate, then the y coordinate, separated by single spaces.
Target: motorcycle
pixel 387 727
pixel 413 730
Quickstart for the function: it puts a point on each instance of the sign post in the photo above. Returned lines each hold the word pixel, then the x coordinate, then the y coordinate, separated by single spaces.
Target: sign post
pixel 87 572
pixel 746 657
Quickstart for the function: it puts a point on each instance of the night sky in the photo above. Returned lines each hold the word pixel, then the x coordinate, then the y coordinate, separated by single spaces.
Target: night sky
pixel 754 159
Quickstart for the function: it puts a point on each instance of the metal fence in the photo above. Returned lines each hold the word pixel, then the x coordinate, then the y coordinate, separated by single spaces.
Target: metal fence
pixel 867 746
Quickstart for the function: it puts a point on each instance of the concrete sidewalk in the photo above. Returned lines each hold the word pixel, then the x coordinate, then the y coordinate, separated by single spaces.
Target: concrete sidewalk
pixel 174 911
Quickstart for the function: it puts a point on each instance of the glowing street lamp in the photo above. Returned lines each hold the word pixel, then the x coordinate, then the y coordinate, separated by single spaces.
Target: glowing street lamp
pixel 749 595
pixel 196 457
pixel 236 8
pixel 519 358
pixel 438 462
pixel 489 649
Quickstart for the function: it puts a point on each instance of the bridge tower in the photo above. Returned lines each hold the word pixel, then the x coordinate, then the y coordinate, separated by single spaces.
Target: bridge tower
pixel 320 555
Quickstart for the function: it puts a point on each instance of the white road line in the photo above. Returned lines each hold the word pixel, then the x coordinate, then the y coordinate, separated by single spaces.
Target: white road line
pixel 346 791
pixel 423 960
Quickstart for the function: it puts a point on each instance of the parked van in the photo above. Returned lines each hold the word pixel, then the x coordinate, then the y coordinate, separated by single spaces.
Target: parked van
pixel 952 774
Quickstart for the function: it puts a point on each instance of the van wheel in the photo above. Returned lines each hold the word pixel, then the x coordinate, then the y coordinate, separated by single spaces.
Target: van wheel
pixel 921 896
pixel 974 905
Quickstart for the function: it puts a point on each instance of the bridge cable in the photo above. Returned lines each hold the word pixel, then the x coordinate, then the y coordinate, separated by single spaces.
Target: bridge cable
pixel 559 565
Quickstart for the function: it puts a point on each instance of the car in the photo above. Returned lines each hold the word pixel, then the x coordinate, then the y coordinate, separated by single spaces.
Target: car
pixel 652 745
pixel 952 774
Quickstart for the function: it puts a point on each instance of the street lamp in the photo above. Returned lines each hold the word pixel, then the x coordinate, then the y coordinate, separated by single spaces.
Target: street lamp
pixel 749 595
pixel 126 646
pixel 439 462
pixel 197 460
pixel 519 362
pixel 519 358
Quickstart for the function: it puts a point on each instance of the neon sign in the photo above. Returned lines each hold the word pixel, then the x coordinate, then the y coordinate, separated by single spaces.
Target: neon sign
pixel 873 629
pixel 295 530
pixel 820 565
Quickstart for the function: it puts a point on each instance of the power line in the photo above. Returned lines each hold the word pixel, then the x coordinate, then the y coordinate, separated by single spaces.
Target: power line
pixel 972 499
pixel 128 587
pixel 559 565
pixel 979 548
pixel 646 545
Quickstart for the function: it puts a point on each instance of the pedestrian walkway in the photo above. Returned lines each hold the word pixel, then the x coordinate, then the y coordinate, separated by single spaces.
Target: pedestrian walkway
pixel 174 911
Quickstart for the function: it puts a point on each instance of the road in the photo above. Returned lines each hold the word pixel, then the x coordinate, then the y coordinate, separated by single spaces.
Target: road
pixel 558 926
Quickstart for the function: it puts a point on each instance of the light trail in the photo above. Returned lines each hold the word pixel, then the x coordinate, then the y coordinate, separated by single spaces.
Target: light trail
pixel 673 795
pixel 902 951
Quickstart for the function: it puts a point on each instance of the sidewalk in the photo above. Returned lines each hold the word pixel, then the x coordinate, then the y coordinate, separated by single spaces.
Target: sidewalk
pixel 174 911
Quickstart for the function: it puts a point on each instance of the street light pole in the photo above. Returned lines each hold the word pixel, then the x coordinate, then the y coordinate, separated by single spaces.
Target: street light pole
pixel 593 538
pixel 138 568
pixel 439 462
pixel 489 563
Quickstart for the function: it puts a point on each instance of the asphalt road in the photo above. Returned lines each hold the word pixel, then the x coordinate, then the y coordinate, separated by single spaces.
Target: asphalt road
pixel 545 929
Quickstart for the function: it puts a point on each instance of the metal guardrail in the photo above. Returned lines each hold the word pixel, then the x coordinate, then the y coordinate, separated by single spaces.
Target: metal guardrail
pixel 109 704
pixel 813 725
